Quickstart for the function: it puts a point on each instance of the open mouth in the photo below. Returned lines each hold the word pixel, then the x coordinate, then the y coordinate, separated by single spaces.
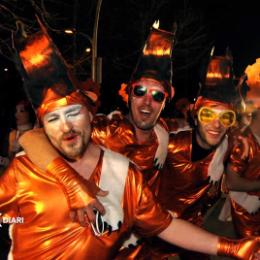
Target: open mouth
pixel 145 112
pixel 214 134
pixel 70 137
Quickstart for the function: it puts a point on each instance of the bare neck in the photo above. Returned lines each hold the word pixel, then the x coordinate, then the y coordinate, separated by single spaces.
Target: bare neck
pixel 143 136
pixel 203 144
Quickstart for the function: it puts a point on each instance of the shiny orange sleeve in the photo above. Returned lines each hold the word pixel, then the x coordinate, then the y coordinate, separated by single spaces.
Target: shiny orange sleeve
pixel 236 164
pixel 8 194
pixel 47 158
pixel 239 249
pixel 79 192
pixel 253 171
pixel 149 218
pixel 101 129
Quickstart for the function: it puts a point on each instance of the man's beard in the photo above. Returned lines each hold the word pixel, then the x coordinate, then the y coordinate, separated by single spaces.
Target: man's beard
pixel 204 140
pixel 143 125
pixel 74 150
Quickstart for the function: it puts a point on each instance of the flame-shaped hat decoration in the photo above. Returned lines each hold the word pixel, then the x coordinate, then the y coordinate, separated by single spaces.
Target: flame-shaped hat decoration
pixel 45 73
pixel 218 83
pixel 155 61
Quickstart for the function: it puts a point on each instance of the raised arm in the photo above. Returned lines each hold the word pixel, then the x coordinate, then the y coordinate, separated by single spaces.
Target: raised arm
pixel 191 237
pixel 44 155
pixel 151 220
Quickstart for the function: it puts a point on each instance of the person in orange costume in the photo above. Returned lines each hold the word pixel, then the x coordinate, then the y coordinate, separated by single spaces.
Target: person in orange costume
pixel 38 196
pixel 142 135
pixel 48 231
pixel 195 161
pixel 244 196
pixel 40 63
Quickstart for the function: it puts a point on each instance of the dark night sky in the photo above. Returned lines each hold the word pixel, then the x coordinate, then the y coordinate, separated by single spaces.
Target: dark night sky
pixel 123 27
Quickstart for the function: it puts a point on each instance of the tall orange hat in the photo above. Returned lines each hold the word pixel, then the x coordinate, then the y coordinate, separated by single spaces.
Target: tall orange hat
pixel 155 61
pixel 218 82
pixel 48 81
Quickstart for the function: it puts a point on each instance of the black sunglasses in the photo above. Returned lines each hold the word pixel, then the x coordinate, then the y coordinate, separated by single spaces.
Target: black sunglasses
pixel 157 95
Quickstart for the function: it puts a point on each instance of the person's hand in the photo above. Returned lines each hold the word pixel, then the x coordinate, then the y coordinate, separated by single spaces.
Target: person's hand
pixel 81 193
pixel 239 156
pixel 241 147
pixel 246 248
pixel 87 215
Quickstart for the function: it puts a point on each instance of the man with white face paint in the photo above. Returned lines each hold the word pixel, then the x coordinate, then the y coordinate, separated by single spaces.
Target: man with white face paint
pixel 71 142
pixel 142 135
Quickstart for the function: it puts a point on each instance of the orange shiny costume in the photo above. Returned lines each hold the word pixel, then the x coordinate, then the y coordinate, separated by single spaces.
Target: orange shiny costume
pixel 118 134
pixel 49 233
pixel 185 191
pixel 185 184
pixel 247 224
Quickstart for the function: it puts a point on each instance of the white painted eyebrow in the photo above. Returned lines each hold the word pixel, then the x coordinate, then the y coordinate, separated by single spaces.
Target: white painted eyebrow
pixel 72 109
pixel 66 111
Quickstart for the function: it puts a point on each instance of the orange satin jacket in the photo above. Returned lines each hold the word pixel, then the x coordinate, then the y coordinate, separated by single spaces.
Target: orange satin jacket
pixel 48 232
pixel 185 184
pixel 247 224
pixel 118 134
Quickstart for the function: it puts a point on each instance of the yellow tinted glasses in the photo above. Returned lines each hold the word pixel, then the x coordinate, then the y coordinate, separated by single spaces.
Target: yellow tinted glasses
pixel 226 117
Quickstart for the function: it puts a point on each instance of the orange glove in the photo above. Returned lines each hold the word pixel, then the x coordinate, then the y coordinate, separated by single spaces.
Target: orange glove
pixel 80 192
pixel 73 183
pixel 247 248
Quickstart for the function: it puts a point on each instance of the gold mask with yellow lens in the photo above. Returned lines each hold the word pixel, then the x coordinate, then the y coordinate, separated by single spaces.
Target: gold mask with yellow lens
pixel 226 117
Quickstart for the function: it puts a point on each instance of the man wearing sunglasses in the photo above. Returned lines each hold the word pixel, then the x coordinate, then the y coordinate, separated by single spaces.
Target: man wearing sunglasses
pixel 141 135
pixel 244 195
